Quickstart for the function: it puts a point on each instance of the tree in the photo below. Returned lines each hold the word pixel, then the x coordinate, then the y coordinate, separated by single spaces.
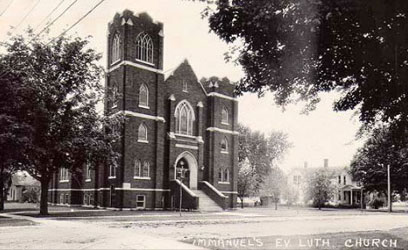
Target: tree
pixel 369 164
pixel 245 180
pixel 261 151
pixel 274 185
pixel 14 132
pixel 319 187
pixel 299 48
pixel 61 88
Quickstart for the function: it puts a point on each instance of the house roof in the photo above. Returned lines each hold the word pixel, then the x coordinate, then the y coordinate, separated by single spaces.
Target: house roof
pixel 22 178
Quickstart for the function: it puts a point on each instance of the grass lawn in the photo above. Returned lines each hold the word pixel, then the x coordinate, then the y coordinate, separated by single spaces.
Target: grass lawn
pixel 379 240
pixel 9 222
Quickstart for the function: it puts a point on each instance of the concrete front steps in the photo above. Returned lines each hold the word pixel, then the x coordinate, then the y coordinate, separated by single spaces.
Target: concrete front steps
pixel 205 203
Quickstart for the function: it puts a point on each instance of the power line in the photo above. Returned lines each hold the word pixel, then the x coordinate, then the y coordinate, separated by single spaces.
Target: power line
pixel 6 7
pixel 52 12
pixel 53 21
pixel 28 13
pixel 79 20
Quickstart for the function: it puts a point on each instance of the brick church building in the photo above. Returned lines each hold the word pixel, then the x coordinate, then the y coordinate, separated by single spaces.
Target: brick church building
pixel 179 133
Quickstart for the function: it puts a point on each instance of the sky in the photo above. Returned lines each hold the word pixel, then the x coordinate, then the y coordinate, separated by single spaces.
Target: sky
pixel 321 134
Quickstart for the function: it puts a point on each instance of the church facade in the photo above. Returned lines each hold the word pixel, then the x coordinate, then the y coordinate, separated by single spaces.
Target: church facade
pixel 178 136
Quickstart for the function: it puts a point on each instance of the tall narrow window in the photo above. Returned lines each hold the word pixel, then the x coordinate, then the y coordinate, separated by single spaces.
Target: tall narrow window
pixel 144 48
pixel 115 95
pixel 138 168
pixel 224 116
pixel 115 49
pixel 184 118
pixel 226 175
pixel 143 96
pixel 185 86
pixel 146 169
pixel 88 171
pixel 142 133
pixel 224 145
pixel 64 175
pixel 112 171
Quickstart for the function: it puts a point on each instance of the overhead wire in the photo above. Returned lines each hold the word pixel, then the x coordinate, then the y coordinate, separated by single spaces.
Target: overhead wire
pixel 5 9
pixel 52 12
pixel 79 20
pixel 55 19
pixel 28 13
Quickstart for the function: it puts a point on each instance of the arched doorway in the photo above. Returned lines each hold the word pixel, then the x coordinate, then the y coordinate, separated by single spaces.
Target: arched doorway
pixel 188 162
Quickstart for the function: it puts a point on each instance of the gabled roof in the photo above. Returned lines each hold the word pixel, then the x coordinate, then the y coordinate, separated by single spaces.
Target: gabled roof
pixel 184 69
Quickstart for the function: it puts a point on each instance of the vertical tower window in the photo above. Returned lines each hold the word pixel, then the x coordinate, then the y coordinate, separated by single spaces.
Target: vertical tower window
pixel 115 95
pixel 142 133
pixel 184 118
pixel 224 145
pixel 112 171
pixel 224 116
pixel 64 175
pixel 138 168
pixel 88 171
pixel 144 96
pixel 185 86
pixel 115 54
pixel 146 169
pixel 144 48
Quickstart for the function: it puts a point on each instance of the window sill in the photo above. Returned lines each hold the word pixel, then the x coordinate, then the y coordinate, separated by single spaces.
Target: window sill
pixel 114 106
pixel 224 123
pixel 148 63
pixel 87 180
pixel 185 91
pixel 142 141
pixel 144 107
pixel 224 152
pixel 64 181
pixel 224 182
pixel 112 177
pixel 141 178
pixel 115 62
pixel 188 136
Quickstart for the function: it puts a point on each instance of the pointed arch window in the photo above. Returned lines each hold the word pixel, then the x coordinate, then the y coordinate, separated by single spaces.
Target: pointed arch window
pixel 137 169
pixel 142 133
pixel 143 96
pixel 224 176
pixel 115 53
pixel 144 48
pixel 184 118
pixel 146 169
pixel 115 95
pixel 224 146
pixel 224 116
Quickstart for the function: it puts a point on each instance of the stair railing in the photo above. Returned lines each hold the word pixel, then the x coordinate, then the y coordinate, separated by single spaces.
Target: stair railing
pixel 214 194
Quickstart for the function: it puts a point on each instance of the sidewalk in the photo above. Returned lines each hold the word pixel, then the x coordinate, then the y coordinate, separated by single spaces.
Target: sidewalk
pixel 53 234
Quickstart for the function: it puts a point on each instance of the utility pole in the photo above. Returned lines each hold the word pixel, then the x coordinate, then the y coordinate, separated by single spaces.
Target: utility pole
pixel 389 189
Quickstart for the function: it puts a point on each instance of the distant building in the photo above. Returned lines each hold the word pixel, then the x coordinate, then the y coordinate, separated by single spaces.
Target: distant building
pixel 346 191
pixel 22 183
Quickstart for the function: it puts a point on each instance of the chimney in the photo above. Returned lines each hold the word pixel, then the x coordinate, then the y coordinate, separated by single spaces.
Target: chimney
pixel 326 163
pixel 305 164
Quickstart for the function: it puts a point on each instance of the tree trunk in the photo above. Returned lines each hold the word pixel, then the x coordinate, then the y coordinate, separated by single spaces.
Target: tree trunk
pixel 242 202
pixel 276 205
pixel 1 191
pixel 44 196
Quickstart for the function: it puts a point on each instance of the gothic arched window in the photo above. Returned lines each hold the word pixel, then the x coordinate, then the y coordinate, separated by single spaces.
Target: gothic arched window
pixel 115 95
pixel 142 133
pixel 224 116
pixel 143 96
pixel 146 169
pixel 138 168
pixel 115 49
pixel 184 118
pixel 144 48
pixel 224 145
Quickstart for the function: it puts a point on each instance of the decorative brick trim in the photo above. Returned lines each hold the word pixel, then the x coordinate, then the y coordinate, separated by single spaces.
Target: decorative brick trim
pixel 222 96
pixel 106 189
pixel 186 146
pixel 212 129
pixel 136 65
